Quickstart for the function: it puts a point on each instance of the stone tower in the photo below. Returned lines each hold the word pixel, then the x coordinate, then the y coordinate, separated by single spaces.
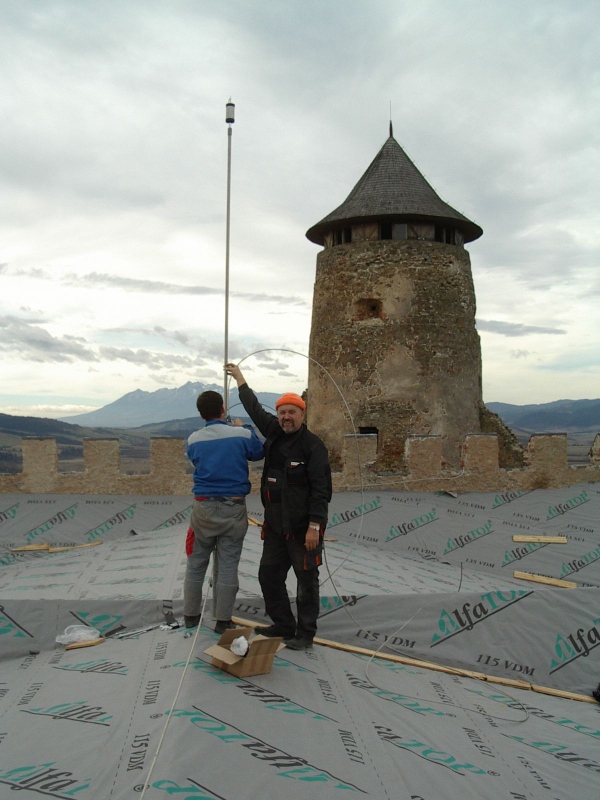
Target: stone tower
pixel 394 316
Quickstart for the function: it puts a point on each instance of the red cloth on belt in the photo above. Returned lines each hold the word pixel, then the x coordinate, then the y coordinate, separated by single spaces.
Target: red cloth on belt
pixel 189 542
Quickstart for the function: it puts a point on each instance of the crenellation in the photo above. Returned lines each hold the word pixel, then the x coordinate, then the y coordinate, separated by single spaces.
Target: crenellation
pixel 40 463
pixel 480 469
pixel 102 459
pixel 102 470
pixel 168 462
pixel 359 456
pixel 594 453
pixel 546 457
pixel 423 455
pixel 480 456
pixel 425 469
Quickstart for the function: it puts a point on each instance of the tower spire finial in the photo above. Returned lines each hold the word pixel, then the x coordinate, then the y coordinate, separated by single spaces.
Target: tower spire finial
pixel 391 128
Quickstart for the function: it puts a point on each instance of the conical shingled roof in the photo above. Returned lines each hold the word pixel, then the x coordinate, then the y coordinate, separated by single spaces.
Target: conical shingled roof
pixel 392 188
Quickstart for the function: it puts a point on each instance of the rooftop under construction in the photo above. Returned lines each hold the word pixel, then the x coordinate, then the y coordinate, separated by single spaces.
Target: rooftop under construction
pixel 461 652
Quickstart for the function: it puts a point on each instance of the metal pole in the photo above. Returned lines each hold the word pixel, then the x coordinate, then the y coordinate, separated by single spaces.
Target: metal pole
pixel 229 118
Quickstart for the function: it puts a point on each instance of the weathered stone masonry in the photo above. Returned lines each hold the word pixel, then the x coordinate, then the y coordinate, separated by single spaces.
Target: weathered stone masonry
pixel 102 473
pixel 479 470
pixel 410 362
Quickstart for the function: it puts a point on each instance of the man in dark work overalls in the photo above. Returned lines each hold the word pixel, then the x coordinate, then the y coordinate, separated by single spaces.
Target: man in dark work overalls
pixel 295 491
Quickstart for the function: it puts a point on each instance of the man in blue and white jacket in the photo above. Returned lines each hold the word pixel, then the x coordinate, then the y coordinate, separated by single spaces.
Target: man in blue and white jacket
pixel 220 453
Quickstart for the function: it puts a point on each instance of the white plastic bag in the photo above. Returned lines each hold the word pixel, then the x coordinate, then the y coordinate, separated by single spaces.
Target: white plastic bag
pixel 239 646
pixel 78 633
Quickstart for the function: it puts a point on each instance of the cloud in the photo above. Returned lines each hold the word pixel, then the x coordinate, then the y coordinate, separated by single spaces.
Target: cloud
pixel 269 356
pixel 32 272
pixel 53 411
pixel 191 341
pixel 270 359
pixel 127 193
pixel 150 360
pixel 514 328
pixel 167 379
pixel 31 342
pixel 159 287
pixel 31 312
pixel 34 343
pixel 275 365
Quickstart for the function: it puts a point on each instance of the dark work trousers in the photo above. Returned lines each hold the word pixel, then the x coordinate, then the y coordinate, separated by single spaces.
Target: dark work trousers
pixel 279 554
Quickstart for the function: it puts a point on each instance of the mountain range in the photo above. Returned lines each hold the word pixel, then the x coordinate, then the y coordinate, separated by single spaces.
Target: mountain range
pixel 139 408
pixel 137 416
pixel 567 416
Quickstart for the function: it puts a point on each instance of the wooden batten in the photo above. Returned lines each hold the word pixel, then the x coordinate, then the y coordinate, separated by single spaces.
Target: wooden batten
pixel 463 673
pixel 530 576
pixel 543 539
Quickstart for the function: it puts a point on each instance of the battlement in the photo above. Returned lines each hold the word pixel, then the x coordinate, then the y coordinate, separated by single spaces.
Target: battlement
pixel 425 470
pixel 102 470
pixel 545 467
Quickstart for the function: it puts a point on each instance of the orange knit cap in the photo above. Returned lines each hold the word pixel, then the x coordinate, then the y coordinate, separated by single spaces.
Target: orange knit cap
pixel 291 399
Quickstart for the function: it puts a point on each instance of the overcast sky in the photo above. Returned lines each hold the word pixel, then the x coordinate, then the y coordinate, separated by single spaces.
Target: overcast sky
pixel 113 162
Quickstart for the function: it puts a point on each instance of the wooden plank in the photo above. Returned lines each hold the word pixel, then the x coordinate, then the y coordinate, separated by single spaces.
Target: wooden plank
pixel 414 662
pixel 253 521
pixel 89 643
pixel 51 549
pixel 27 547
pixel 530 576
pixel 544 539
pixel 582 698
pixel 514 682
pixel 73 547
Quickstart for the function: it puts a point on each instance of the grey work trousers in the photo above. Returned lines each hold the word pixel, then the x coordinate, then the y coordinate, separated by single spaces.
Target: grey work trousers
pixel 219 526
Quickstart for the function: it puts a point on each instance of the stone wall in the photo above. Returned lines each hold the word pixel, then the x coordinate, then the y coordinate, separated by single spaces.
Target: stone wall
pixel 545 466
pixel 394 322
pixel 102 470
pixel 510 449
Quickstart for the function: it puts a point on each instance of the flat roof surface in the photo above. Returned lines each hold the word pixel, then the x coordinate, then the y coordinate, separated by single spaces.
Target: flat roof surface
pixel 427 577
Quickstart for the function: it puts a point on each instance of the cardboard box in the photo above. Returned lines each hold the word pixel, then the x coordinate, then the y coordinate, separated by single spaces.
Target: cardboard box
pixel 257 661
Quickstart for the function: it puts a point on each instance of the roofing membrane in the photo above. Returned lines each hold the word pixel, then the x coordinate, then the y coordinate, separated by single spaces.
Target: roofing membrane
pixel 423 577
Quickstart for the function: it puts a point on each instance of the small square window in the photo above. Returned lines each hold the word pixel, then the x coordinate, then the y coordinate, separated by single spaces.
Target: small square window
pixel 367 308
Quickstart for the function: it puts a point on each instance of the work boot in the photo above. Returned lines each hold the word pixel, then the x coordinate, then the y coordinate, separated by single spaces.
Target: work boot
pixel 299 643
pixel 191 622
pixel 272 631
pixel 223 625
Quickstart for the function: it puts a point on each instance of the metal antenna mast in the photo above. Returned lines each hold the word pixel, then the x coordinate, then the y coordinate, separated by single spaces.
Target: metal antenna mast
pixel 229 119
